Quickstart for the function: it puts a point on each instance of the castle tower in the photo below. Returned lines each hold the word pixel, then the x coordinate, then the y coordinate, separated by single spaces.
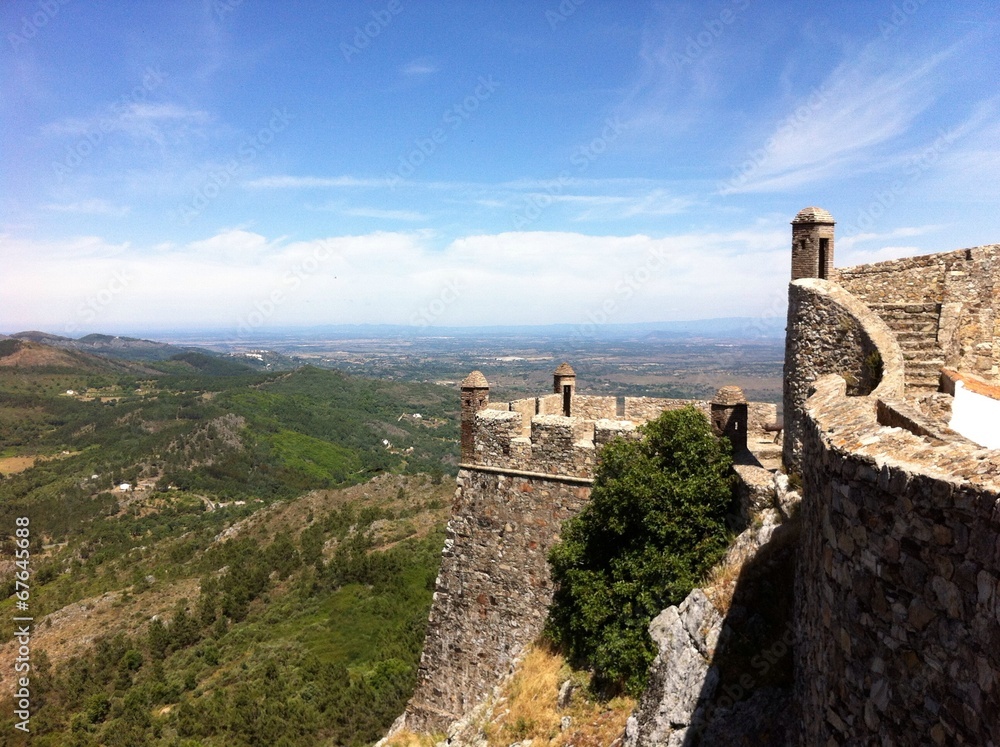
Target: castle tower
pixel 730 416
pixel 564 383
pixel 475 396
pixel 812 244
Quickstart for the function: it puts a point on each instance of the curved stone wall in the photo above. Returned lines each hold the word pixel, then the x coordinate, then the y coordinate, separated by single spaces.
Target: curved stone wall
pixel 832 332
pixel 898 605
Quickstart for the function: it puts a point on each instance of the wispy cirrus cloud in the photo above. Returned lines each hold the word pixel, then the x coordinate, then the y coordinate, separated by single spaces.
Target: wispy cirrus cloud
pixel 314 182
pixel 842 125
pixel 594 207
pixel 138 120
pixel 597 198
pixel 850 242
pixel 369 212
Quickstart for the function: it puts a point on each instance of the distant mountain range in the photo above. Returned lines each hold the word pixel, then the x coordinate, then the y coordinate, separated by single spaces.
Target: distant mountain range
pixel 728 328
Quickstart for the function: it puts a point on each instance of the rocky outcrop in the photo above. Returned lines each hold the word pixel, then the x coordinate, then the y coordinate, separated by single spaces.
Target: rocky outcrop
pixel 722 675
pixel 682 678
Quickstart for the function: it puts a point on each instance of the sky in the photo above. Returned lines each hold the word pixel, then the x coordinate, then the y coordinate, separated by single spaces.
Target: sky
pixel 251 165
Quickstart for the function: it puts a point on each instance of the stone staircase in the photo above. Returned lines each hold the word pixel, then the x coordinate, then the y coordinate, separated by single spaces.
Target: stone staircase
pixel 916 330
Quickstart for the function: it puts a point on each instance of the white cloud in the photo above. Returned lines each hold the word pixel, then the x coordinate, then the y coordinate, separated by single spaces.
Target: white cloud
pixel 850 242
pixel 525 278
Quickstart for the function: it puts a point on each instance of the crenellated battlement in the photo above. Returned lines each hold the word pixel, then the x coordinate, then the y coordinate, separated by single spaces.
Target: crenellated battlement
pixel 554 444
pixel 560 434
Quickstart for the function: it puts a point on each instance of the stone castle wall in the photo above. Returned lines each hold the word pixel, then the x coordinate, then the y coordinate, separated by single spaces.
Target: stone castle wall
pixel 555 445
pixel 493 589
pixel 898 604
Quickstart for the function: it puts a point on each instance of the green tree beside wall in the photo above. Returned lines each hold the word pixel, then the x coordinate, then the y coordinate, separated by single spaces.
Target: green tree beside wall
pixel 656 522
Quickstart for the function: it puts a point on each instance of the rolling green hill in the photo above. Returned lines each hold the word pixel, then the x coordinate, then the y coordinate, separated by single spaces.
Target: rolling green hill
pixel 264 578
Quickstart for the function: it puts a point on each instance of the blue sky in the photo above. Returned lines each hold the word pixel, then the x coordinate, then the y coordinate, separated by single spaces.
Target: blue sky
pixel 245 164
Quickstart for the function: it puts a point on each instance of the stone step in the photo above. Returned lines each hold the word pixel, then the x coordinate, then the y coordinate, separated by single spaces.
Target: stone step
pixel 902 318
pixel 912 325
pixel 905 308
pixel 924 344
pixel 923 374
pixel 921 356
pixel 911 335
pixel 927 354
pixel 926 381
pixel 926 372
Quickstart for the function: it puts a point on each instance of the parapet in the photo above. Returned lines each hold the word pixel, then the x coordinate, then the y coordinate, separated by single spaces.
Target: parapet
pixel 535 435
pixel 899 577
pixel 554 444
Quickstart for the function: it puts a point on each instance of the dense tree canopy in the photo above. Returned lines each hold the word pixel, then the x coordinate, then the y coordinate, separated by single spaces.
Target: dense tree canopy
pixel 655 523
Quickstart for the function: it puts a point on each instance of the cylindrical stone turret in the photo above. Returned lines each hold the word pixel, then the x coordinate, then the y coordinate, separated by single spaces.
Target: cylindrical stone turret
pixel 475 396
pixel 564 383
pixel 812 244
pixel 730 416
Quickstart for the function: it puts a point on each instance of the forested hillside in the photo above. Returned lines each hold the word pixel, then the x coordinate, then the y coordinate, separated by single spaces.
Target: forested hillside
pixel 202 571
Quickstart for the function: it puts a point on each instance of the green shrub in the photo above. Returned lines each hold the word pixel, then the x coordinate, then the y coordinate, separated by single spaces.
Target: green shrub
pixel 655 523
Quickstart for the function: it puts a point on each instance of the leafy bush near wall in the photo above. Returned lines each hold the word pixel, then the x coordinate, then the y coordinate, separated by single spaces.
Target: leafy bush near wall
pixel 654 525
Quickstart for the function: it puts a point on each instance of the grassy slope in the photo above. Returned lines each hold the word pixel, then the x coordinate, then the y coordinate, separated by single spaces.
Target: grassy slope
pixel 259 572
